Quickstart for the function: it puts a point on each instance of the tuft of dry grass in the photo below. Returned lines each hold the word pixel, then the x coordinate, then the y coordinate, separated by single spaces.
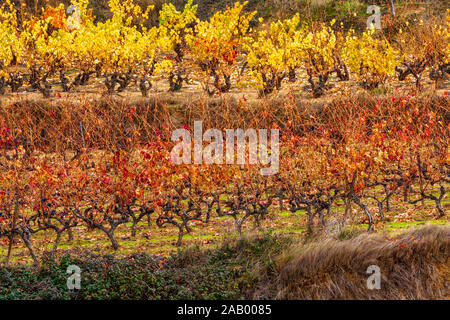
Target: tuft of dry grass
pixel 414 265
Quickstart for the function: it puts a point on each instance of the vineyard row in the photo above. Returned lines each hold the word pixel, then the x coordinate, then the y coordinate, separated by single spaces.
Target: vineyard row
pixel 232 48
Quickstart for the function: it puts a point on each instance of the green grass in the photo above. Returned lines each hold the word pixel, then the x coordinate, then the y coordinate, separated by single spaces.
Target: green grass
pixel 247 268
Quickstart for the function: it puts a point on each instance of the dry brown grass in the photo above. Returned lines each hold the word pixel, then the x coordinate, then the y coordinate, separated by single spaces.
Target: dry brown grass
pixel 414 265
